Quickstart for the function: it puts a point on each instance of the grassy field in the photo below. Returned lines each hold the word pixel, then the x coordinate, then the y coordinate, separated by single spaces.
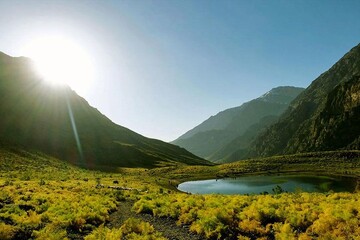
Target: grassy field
pixel 44 198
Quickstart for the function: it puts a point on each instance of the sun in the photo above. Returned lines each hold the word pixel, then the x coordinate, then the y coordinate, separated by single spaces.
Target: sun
pixel 61 61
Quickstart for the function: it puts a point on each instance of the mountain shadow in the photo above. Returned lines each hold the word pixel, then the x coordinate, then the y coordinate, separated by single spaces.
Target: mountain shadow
pixel 58 122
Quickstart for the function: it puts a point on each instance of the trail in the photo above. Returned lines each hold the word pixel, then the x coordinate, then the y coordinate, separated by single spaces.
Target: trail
pixel 166 226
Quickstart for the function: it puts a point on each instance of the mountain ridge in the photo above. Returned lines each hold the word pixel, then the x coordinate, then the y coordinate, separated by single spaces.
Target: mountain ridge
pixel 39 116
pixel 299 119
pixel 216 132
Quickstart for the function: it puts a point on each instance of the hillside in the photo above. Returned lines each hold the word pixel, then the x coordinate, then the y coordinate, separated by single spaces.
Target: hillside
pixel 324 117
pixel 236 126
pixel 58 122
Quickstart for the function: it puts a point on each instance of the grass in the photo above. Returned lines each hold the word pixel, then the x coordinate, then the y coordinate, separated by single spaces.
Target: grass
pixel 44 198
pixel 339 163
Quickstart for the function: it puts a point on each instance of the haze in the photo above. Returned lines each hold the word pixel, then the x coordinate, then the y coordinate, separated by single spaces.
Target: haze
pixel 162 67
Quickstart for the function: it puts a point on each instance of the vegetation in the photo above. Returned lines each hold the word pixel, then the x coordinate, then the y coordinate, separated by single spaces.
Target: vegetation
pixel 332 163
pixel 44 198
pixel 131 229
pixel 282 216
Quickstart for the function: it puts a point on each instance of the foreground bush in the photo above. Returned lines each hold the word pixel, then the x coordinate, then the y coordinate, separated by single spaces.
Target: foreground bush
pixel 52 210
pixel 283 216
pixel 132 229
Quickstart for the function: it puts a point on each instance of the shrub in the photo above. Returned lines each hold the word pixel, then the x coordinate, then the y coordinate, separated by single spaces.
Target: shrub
pixel 131 229
pixel 51 231
pixel 136 229
pixel 104 233
pixel 7 232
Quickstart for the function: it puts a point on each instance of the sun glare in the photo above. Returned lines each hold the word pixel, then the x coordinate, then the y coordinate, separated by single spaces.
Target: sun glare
pixel 61 61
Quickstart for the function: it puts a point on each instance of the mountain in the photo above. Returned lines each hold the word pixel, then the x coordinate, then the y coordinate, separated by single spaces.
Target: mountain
pixel 58 122
pixel 210 138
pixel 326 116
pixel 238 148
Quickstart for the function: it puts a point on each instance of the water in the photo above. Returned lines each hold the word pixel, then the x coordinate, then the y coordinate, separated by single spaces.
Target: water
pixel 261 184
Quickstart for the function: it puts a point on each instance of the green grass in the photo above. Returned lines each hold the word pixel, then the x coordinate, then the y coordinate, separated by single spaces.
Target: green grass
pixel 345 163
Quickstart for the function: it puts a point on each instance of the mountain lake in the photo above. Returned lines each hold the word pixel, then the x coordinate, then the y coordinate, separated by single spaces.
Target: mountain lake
pixel 270 184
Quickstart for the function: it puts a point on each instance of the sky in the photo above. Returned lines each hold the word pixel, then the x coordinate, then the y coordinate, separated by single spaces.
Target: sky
pixel 161 67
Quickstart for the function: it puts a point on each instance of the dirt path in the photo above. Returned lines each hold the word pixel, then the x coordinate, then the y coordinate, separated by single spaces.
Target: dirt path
pixel 166 226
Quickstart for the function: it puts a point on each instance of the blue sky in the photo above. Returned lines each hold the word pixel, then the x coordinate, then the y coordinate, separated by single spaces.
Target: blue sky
pixel 164 66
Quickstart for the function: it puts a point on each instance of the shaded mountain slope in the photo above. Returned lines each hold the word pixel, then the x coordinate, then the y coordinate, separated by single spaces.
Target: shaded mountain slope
pixel 324 117
pixel 337 126
pixel 209 139
pixel 239 147
pixel 43 117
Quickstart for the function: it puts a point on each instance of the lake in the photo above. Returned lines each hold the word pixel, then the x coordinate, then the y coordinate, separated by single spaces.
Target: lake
pixel 261 184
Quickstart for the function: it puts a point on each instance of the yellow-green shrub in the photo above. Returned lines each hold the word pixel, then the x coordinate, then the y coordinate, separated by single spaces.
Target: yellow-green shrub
pixel 284 216
pixel 132 229
pixel 7 231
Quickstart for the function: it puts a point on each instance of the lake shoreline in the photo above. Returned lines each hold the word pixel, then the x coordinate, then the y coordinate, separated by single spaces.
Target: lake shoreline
pixel 265 183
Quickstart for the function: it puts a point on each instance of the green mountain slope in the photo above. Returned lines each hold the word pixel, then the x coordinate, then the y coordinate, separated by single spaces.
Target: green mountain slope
pixel 210 138
pixel 57 121
pixel 324 117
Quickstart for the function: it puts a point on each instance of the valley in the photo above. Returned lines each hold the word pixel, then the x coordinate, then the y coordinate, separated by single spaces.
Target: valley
pixel 67 171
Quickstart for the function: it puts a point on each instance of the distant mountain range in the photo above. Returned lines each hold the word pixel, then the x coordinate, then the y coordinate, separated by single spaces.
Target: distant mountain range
pixel 326 116
pixel 323 117
pixel 286 120
pixel 232 130
pixel 56 121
